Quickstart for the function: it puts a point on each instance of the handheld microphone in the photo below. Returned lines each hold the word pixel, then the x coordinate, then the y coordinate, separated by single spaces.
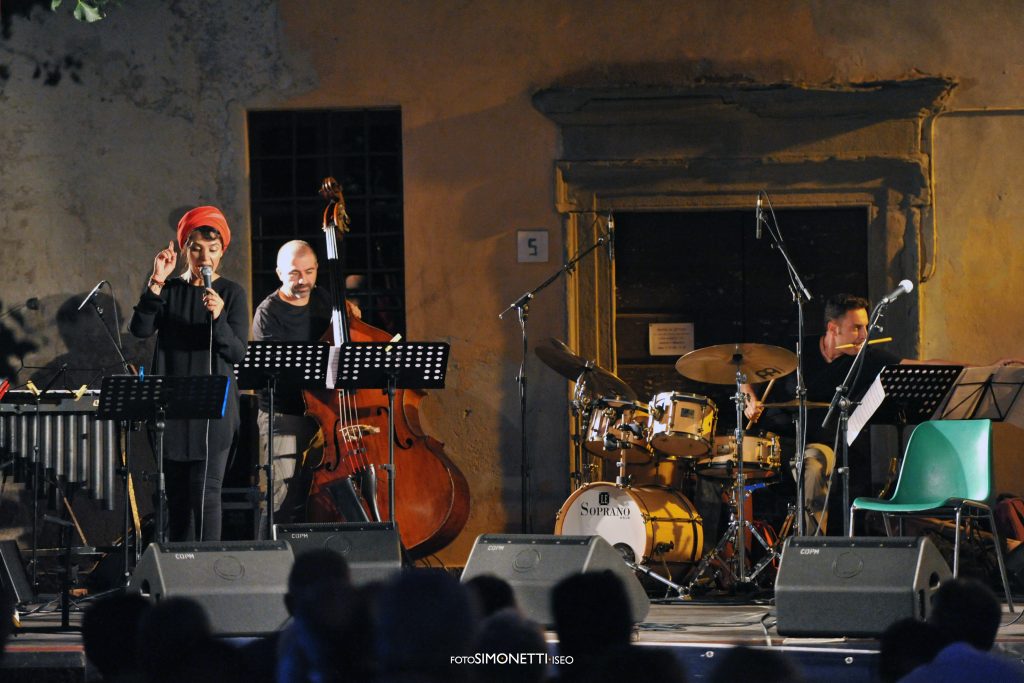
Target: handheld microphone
pixel 85 300
pixel 207 273
pixel 611 236
pixel 758 217
pixel 905 287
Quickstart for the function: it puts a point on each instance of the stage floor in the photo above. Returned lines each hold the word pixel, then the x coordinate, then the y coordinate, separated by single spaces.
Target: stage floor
pixel 697 632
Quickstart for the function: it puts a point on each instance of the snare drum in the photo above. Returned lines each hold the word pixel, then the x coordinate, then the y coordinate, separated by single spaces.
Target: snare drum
pixel 682 425
pixel 646 523
pixel 761 457
pixel 626 423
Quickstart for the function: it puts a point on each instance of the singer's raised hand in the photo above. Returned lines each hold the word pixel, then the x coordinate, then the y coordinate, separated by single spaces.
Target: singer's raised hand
pixel 214 304
pixel 163 264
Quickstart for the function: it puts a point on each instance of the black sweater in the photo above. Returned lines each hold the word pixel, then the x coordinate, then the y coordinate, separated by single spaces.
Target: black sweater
pixel 182 325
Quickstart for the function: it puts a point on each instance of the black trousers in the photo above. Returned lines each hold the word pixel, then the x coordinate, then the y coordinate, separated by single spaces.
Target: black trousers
pixel 194 497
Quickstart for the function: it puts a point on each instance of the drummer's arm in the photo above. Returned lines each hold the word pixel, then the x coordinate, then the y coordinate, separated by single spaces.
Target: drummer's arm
pixel 753 406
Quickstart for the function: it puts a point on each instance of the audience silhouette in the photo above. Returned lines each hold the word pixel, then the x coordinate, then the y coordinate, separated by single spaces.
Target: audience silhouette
pixel 116 658
pixel 592 619
pixel 425 622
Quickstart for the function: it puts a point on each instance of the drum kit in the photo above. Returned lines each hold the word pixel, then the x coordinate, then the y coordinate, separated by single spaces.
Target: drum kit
pixel 661 446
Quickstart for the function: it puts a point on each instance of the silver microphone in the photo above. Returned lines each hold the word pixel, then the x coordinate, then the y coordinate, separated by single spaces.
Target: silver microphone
pixel 905 287
pixel 207 273
pixel 611 236
pixel 758 217
pixel 87 298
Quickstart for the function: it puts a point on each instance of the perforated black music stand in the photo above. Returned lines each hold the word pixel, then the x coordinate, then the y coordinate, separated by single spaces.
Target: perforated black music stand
pixel 904 395
pixel 156 399
pixel 289 365
pixel 390 366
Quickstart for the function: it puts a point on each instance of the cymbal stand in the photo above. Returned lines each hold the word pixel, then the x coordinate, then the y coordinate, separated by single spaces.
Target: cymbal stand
pixel 738 525
pixel 581 408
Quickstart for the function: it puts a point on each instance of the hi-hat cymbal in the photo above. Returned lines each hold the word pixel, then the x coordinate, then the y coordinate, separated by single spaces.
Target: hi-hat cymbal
pixel 719 364
pixel 560 358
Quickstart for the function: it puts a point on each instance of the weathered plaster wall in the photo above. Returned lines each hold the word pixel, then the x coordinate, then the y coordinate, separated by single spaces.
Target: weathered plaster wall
pixel 94 173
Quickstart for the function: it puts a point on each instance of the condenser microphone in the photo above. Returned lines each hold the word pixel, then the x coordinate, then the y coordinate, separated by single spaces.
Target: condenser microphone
pixel 758 217
pixel 86 300
pixel 611 236
pixel 905 287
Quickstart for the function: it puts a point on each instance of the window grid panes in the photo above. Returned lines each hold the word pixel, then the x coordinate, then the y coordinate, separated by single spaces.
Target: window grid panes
pixel 290 154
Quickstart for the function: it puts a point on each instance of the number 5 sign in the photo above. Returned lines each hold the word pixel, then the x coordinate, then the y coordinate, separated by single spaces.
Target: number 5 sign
pixel 532 246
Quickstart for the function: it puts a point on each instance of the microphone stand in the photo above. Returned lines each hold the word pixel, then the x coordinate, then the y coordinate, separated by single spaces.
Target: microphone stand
pixel 522 308
pixel 801 295
pixel 126 428
pixel 842 402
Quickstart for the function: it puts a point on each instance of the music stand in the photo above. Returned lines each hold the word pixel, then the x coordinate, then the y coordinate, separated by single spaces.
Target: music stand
pixel 391 366
pixel 290 365
pixel 903 395
pixel 990 392
pixel 156 399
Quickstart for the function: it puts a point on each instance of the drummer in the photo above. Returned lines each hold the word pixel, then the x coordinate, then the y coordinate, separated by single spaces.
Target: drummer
pixel 826 361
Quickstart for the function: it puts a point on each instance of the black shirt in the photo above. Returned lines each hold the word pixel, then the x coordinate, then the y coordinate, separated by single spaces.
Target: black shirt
pixel 182 324
pixel 277 320
pixel 822 378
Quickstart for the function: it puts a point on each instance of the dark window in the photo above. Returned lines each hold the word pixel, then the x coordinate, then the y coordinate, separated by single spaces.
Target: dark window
pixel 290 154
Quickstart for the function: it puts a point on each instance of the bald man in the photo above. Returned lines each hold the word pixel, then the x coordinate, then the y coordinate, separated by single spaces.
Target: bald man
pixel 297 311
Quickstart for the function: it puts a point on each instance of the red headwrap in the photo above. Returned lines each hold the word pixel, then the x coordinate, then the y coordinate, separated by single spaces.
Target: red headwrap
pixel 203 217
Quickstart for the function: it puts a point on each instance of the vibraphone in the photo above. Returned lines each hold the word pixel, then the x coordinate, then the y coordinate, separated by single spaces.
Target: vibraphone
pixel 75 448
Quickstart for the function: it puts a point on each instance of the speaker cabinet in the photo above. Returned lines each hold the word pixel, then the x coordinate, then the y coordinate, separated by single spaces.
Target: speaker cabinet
pixel 373 549
pixel 13 578
pixel 534 563
pixel 855 586
pixel 240 584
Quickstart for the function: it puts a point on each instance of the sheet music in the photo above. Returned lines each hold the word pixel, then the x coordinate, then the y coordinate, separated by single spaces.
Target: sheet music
pixel 868 405
pixel 333 361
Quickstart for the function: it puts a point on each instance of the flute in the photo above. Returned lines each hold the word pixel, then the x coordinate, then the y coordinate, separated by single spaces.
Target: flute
pixel 880 340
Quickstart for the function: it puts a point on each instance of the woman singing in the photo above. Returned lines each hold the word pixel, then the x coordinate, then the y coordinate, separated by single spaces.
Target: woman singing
pixel 200 331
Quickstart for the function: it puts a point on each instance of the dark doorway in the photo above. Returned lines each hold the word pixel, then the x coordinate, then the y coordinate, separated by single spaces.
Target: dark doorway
pixel 707 268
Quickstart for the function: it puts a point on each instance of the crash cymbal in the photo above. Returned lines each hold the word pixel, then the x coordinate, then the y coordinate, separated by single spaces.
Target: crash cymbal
pixel 597 381
pixel 794 404
pixel 718 364
pixel 560 358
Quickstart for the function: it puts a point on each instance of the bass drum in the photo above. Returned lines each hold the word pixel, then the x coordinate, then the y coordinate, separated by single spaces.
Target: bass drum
pixel 645 524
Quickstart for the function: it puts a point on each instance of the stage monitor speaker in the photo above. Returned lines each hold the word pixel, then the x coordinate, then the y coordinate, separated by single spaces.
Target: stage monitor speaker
pixel 373 549
pixel 13 578
pixel 240 584
pixel 855 586
pixel 534 563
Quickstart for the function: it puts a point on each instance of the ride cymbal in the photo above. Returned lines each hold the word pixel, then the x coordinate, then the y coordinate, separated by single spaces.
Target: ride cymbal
pixel 719 364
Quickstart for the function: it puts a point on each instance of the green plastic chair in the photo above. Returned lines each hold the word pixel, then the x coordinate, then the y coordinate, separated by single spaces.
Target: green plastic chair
pixel 947 468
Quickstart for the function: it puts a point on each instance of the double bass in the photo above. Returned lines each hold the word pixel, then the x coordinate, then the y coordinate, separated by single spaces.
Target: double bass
pixel 351 481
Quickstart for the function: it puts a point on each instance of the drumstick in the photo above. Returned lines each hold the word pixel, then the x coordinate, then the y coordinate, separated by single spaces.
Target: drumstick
pixel 881 340
pixel 763 397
